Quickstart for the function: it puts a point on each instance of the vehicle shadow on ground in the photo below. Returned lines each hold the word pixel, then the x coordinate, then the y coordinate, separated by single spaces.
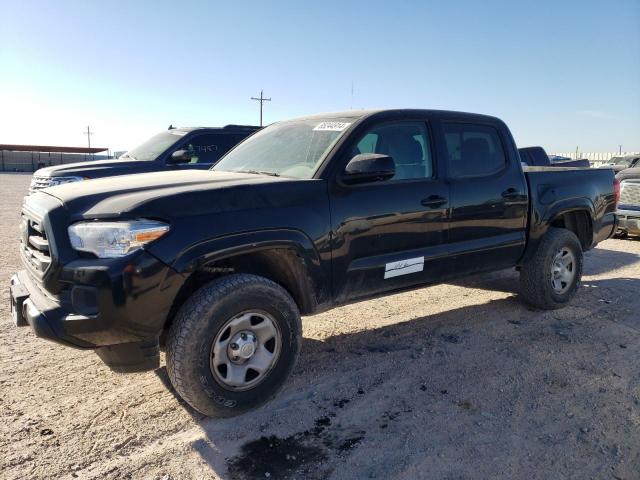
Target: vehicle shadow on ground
pixel 597 261
pixel 225 440
pixel 602 260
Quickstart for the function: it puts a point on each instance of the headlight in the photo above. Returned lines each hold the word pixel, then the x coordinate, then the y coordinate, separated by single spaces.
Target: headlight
pixel 114 239
pixel 60 180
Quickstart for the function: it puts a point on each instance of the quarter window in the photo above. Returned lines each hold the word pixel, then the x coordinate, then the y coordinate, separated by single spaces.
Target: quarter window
pixel 407 143
pixel 473 150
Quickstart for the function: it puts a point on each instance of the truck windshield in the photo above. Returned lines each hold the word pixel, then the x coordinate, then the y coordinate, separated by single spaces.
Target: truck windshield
pixel 620 161
pixel 152 148
pixel 290 149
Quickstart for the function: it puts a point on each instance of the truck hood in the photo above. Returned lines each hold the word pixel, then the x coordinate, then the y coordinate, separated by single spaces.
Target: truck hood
pixel 629 174
pixel 88 169
pixel 614 167
pixel 165 194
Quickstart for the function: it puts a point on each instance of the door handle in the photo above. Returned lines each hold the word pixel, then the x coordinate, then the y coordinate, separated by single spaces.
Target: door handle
pixel 433 201
pixel 510 193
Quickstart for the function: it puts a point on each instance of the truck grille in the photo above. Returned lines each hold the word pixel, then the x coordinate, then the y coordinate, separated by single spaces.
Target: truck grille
pixel 38 183
pixel 34 244
pixel 630 193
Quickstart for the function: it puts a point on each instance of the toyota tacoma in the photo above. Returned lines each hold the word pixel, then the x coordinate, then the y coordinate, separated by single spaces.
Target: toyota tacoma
pixel 303 216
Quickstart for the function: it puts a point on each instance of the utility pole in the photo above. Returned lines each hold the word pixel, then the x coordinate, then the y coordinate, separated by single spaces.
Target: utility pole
pixel 88 133
pixel 620 149
pixel 261 100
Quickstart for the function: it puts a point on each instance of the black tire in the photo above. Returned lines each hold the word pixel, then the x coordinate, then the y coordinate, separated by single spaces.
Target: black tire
pixel 535 275
pixel 199 322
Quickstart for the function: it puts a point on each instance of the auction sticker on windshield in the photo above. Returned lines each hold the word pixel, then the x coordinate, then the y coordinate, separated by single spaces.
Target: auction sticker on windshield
pixel 331 126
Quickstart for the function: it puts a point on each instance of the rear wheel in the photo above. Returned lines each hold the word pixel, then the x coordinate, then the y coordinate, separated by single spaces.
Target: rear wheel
pixel 550 278
pixel 233 344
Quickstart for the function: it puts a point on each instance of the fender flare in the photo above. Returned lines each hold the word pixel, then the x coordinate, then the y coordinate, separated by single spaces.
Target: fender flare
pixel 315 281
pixel 568 206
pixel 542 221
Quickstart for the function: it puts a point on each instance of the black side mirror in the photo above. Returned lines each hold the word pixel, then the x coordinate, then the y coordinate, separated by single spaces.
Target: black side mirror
pixel 179 156
pixel 369 167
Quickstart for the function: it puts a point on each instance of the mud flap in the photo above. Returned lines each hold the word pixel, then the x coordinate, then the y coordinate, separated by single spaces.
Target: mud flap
pixel 18 294
pixel 131 357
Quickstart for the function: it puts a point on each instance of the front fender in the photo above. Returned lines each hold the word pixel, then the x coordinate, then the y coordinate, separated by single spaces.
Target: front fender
pixel 316 287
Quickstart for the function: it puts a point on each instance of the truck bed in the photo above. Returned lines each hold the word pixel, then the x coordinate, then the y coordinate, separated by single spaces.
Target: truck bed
pixel 553 189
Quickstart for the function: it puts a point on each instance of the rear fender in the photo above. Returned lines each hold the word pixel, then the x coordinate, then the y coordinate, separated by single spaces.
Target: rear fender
pixel 543 217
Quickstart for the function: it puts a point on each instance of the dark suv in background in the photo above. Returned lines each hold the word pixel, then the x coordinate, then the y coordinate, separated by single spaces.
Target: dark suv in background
pixel 175 149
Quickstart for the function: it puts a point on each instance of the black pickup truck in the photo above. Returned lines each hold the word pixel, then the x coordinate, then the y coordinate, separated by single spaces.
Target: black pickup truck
pixel 196 148
pixel 301 217
pixel 537 157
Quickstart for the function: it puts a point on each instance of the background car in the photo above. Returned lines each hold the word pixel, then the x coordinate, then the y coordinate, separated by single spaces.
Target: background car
pixel 621 163
pixel 174 149
pixel 537 157
pixel 629 207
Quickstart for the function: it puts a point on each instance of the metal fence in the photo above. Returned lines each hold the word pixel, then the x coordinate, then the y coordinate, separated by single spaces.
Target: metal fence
pixel 11 161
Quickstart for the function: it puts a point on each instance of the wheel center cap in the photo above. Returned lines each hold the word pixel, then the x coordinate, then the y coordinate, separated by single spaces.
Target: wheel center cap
pixel 247 350
pixel 242 346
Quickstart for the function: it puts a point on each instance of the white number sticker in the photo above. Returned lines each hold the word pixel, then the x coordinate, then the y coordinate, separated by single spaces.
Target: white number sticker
pixel 331 126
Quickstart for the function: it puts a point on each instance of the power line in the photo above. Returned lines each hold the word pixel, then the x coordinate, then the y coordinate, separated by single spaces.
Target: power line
pixel 261 100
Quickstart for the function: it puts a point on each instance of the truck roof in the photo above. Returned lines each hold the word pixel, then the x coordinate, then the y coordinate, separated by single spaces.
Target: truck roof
pixel 395 112
pixel 243 128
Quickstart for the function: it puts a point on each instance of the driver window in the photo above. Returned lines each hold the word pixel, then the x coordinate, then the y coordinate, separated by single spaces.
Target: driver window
pixel 407 143
pixel 190 152
pixel 202 149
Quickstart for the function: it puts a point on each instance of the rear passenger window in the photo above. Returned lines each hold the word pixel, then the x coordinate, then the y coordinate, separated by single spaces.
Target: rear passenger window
pixel 473 150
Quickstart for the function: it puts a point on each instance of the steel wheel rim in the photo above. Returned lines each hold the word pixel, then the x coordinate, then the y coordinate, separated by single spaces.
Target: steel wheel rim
pixel 245 350
pixel 563 270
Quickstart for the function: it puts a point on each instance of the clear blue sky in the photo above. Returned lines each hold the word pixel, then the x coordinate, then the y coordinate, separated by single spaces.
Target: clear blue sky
pixel 561 73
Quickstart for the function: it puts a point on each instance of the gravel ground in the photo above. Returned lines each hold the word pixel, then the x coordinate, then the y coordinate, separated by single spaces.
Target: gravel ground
pixel 457 381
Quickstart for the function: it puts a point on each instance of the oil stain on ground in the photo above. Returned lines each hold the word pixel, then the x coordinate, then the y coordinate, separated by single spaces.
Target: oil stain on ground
pixel 274 457
pixel 301 455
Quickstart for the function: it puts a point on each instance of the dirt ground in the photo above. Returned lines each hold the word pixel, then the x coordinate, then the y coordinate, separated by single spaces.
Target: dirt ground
pixel 448 382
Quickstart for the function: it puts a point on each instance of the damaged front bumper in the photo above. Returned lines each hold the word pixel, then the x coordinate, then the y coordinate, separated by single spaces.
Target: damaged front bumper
pixel 119 312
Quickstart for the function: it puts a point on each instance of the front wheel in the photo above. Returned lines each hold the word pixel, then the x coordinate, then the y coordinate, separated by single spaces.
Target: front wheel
pixel 233 344
pixel 550 278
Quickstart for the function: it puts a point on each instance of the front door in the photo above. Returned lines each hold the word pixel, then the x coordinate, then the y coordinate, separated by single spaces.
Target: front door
pixel 389 235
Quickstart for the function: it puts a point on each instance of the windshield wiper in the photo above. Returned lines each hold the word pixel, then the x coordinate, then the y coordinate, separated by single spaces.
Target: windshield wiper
pixel 258 172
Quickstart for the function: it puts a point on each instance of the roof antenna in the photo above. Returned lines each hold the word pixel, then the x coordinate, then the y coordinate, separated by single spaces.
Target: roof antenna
pixel 351 94
pixel 171 127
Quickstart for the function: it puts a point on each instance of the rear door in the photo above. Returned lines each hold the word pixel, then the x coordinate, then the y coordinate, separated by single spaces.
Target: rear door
pixel 391 234
pixel 489 197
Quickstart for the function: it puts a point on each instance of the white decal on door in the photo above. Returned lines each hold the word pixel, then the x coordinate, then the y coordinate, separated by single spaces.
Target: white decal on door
pixel 403 267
